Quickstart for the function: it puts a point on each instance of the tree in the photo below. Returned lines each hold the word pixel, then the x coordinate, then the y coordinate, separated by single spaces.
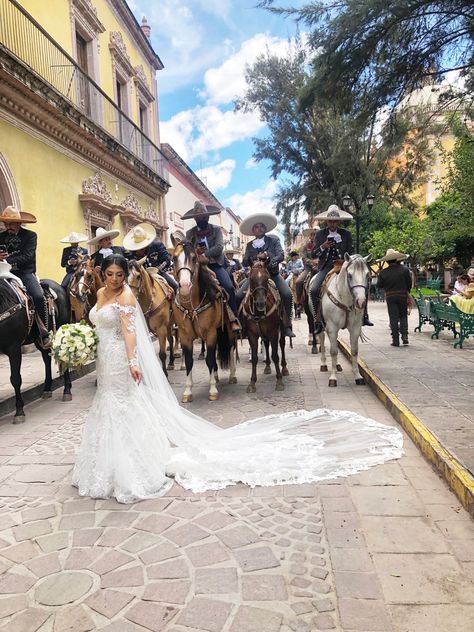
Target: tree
pixel 371 53
pixel 321 154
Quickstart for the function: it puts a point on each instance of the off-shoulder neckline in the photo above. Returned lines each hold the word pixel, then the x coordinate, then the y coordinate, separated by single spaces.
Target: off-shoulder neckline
pixel 114 305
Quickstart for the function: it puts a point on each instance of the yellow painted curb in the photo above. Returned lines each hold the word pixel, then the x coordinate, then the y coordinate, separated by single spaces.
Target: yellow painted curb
pixel 456 475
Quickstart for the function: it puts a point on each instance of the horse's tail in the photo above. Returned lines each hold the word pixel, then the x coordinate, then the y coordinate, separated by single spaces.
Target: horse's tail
pixel 223 347
pixel 362 336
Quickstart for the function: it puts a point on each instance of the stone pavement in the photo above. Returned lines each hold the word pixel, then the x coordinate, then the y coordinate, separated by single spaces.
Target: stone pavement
pixel 387 550
pixel 434 380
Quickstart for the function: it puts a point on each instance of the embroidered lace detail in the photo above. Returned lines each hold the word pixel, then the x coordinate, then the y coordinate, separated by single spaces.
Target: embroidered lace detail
pixel 129 315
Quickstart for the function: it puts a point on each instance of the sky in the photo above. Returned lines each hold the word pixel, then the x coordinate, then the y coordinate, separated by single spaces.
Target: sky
pixel 205 46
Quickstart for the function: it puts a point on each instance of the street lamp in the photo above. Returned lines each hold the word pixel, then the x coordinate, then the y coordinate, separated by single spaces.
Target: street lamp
pixel 231 237
pixel 348 204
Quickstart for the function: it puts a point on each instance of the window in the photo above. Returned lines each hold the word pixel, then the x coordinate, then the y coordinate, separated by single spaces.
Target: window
pixel 84 101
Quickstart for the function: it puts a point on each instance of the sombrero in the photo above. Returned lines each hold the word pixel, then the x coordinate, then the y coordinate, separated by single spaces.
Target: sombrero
pixel 101 233
pixel 393 255
pixel 139 237
pixel 74 238
pixel 334 212
pixel 12 214
pixel 268 219
pixel 234 251
pixel 178 235
pixel 200 210
pixel 309 231
pixel 469 290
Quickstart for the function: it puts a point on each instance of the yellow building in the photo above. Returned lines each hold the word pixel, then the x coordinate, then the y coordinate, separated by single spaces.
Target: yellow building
pixel 79 128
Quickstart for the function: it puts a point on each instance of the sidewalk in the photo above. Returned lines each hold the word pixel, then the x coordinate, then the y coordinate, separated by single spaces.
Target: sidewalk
pixel 386 550
pixel 434 380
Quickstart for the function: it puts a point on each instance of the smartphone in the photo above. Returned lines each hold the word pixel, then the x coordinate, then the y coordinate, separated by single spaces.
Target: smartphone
pixel 330 238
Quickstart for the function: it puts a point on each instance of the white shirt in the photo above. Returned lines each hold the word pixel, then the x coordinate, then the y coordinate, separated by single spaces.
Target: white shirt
pixel 106 252
pixel 258 243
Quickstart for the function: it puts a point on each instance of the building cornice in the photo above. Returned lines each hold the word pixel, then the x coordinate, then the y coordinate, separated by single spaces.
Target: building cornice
pixel 32 101
pixel 121 8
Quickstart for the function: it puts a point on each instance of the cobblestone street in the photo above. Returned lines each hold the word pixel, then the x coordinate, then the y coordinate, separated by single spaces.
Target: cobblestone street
pixel 386 550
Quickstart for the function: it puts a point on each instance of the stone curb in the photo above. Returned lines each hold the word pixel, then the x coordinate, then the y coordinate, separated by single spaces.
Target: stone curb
pixel 34 392
pixel 455 474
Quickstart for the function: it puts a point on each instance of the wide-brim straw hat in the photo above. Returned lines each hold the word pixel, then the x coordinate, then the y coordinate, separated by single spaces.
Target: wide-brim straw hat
pixel 200 210
pixel 469 290
pixel 74 238
pixel 101 233
pixel 249 222
pixel 231 250
pixel 334 212
pixel 179 236
pixel 309 231
pixel 139 237
pixel 393 255
pixel 12 214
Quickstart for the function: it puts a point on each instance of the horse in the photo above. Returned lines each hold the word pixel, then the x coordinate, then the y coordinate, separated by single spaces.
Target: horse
pixel 18 327
pixel 83 289
pixel 155 300
pixel 199 310
pixel 261 312
pixel 306 302
pixel 296 305
pixel 342 307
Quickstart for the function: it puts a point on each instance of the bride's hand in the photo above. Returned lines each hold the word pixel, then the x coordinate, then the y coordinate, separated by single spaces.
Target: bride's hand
pixel 136 374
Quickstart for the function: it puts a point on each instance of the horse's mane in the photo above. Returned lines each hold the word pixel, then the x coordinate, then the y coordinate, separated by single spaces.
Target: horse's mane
pixel 8 298
pixel 134 265
pixel 207 285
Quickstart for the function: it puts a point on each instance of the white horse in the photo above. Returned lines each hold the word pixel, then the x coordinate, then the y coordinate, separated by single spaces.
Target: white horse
pixel 343 306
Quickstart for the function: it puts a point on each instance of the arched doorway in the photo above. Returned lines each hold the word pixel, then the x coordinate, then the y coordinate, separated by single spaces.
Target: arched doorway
pixel 8 191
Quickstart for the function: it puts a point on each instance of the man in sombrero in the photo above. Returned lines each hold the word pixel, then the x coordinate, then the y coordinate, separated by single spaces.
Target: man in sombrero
pixel 310 264
pixel 208 241
pixel 331 244
pixel 103 240
pixel 143 245
pixel 395 279
pixel 72 255
pixel 18 248
pixel 267 247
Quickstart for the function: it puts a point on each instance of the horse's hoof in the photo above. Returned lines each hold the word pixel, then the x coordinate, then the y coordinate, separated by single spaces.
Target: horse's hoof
pixel 267 370
pixel 314 350
pixel 185 399
pixel 285 372
pixel 280 386
pixel 360 381
pixel 18 419
pixel 323 368
pixel 46 395
pixel 67 397
pixel 310 341
pixel 332 383
pixel 201 356
pixel 232 380
pixel 213 397
pixel 170 367
pixel 339 367
pixel 182 367
pixel 251 388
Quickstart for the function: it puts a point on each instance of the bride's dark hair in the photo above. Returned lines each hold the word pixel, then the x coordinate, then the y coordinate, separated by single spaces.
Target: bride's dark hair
pixel 118 260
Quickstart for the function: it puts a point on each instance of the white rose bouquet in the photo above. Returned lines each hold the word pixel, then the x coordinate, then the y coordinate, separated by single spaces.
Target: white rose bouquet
pixel 74 345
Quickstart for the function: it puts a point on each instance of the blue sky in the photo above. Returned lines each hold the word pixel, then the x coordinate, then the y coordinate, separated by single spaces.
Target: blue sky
pixel 205 45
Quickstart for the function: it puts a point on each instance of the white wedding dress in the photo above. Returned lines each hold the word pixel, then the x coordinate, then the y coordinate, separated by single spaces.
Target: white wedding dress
pixel 138 436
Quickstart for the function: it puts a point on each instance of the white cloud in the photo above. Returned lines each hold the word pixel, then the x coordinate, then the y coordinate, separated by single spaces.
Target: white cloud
pixel 204 129
pixel 226 82
pixel 254 201
pixel 251 163
pixel 218 176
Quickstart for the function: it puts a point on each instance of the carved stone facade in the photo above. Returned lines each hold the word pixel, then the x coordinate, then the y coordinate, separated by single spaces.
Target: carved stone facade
pixel 143 88
pixel 121 58
pixel 96 186
pixel 97 205
pixel 86 14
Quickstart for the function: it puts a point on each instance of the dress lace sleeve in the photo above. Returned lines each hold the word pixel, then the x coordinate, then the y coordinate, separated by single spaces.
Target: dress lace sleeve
pixel 128 314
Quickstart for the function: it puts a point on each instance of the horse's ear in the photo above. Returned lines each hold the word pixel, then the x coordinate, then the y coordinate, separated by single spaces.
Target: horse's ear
pixel 347 256
pixel 368 258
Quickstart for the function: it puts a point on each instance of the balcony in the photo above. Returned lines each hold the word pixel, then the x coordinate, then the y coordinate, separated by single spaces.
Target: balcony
pixel 30 57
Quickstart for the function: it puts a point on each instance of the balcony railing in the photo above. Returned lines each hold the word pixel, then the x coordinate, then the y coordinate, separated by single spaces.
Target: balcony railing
pixel 24 38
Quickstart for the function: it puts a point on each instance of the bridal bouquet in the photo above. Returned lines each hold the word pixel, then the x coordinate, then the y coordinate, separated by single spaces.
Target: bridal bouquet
pixel 74 345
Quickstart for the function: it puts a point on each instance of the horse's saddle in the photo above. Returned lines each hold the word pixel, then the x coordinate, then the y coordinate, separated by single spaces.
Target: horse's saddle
pixel 156 276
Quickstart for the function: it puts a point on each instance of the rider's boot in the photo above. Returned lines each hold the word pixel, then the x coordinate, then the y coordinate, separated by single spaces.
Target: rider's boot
pixel 44 334
pixel 233 320
pixel 287 326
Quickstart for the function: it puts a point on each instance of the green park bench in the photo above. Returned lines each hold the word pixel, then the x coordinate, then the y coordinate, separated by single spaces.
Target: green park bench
pixel 448 316
pixel 423 303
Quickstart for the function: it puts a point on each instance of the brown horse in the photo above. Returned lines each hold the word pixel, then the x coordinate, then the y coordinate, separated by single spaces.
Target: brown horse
pixel 261 311
pixel 200 312
pixel 155 300
pixel 83 289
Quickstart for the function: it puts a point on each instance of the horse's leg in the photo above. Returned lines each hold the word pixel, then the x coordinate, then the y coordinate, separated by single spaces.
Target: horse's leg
pixel 169 335
pixel 187 395
pixel 332 334
pixel 48 378
pixel 233 364
pixel 14 355
pixel 284 366
pixel 212 366
pixel 162 352
pixel 67 395
pixel 322 348
pixel 268 367
pixel 202 355
pixel 253 341
pixel 354 336
pixel 276 361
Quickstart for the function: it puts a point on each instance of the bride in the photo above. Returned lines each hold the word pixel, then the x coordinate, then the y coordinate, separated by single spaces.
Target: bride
pixel 137 438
